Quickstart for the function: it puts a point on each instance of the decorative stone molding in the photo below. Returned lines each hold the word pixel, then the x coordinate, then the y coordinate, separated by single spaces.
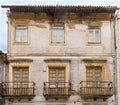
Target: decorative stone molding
pixel 20 62
pixel 94 62
pixel 56 60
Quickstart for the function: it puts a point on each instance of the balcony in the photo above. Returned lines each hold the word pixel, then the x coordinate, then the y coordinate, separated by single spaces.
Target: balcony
pixel 19 89
pixel 96 89
pixel 57 90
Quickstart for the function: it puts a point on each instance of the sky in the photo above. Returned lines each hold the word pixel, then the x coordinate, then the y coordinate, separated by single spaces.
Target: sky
pixel 3 17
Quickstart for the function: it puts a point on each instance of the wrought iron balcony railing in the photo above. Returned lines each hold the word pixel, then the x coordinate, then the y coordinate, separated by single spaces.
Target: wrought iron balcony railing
pixel 96 89
pixel 57 89
pixel 19 89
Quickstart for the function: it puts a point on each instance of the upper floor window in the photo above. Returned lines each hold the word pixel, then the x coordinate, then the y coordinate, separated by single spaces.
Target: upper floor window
pixel 21 33
pixel 58 34
pixel 94 35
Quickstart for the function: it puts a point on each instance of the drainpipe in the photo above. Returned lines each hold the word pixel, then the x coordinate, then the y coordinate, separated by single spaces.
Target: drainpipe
pixel 3 66
pixel 3 71
pixel 116 36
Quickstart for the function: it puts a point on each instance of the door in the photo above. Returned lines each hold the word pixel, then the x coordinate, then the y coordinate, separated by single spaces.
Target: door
pixel 93 81
pixel 57 80
pixel 93 76
pixel 20 80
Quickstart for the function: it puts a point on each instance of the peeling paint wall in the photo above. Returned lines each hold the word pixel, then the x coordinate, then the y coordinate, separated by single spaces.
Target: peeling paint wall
pixel 76 42
pixel 76 32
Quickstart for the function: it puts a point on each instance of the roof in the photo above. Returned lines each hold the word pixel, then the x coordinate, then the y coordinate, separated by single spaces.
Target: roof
pixel 51 8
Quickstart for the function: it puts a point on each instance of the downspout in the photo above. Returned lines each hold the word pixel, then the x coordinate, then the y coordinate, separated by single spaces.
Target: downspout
pixel 3 72
pixel 1 68
pixel 3 63
pixel 115 60
pixel 4 67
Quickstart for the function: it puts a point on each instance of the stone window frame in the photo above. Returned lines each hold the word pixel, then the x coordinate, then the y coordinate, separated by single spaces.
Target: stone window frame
pixel 21 22
pixel 19 63
pixel 24 28
pixel 95 25
pixel 94 36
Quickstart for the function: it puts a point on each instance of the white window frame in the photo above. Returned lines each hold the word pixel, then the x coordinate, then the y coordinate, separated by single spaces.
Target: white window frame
pixel 21 34
pixel 94 38
pixel 60 36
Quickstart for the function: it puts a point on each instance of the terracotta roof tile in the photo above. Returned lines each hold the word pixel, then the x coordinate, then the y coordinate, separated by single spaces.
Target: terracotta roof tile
pixel 52 8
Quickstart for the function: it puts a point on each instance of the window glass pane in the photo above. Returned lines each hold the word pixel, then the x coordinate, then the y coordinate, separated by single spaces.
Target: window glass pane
pixel 97 36
pixel 18 36
pixel 25 78
pixel 61 75
pixel 24 35
pixel 52 77
pixel 25 75
pixel 89 77
pixel 90 36
pixel 61 36
pixel 97 74
pixel 54 36
pixel 16 75
pixel 16 78
pixel 21 33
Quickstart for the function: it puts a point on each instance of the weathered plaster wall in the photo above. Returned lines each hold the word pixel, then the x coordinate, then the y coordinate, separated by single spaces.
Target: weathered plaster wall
pixel 75 49
pixel 75 43
pixel 117 72
pixel 75 74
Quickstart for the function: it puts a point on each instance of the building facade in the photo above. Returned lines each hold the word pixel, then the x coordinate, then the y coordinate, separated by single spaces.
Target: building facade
pixel 60 55
pixel 117 57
